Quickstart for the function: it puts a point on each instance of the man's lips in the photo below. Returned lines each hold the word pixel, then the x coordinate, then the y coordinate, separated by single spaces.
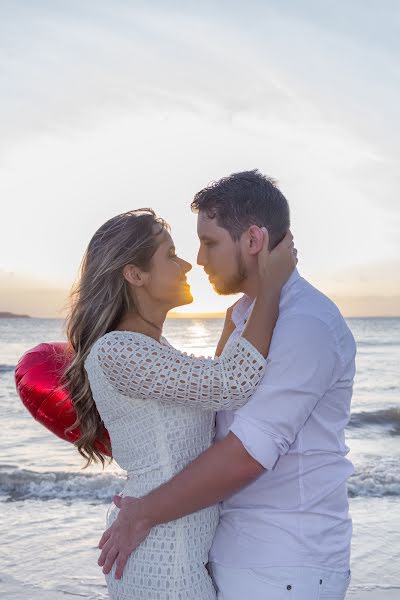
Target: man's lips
pixel 209 275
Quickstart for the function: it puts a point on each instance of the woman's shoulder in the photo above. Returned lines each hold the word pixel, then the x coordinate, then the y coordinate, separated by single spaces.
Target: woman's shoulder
pixel 119 340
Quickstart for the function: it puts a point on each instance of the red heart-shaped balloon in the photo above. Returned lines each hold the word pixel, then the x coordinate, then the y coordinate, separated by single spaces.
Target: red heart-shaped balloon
pixel 38 380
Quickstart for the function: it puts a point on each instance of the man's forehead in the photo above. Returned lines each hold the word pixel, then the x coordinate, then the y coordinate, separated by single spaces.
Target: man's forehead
pixel 207 226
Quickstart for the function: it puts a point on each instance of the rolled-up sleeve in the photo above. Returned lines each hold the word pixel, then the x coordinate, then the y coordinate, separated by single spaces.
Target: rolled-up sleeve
pixel 300 369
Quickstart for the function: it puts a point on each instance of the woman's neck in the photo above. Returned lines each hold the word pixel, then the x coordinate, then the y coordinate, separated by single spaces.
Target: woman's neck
pixel 148 324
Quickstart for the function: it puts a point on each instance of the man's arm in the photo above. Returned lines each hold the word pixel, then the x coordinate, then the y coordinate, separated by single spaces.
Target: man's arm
pixel 206 481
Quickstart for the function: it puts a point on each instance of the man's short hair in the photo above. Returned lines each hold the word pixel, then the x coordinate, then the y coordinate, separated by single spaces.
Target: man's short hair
pixel 244 199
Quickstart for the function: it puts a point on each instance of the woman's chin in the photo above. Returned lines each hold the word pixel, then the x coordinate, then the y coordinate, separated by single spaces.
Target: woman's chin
pixel 183 300
pixel 188 299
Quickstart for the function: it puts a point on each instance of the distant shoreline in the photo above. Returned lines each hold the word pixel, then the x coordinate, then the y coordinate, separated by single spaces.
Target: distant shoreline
pixel 182 316
pixel 10 315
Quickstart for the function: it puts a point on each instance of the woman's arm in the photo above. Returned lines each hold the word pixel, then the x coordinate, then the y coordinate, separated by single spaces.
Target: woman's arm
pixel 139 367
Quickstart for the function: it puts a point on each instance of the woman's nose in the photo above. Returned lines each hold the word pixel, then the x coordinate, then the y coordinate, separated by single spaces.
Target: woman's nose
pixel 188 267
pixel 185 266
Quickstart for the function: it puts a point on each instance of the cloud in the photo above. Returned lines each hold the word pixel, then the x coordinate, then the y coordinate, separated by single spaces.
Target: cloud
pixel 110 106
pixel 63 69
pixel 62 62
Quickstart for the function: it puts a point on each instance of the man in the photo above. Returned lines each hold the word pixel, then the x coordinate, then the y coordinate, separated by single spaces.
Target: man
pixel 278 465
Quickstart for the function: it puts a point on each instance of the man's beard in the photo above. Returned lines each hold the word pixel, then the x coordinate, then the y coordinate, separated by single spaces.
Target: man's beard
pixel 235 284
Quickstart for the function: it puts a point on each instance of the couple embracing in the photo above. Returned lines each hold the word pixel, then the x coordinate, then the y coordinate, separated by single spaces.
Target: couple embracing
pixel 236 466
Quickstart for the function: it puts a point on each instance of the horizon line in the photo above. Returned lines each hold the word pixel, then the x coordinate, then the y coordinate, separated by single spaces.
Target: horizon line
pixel 195 315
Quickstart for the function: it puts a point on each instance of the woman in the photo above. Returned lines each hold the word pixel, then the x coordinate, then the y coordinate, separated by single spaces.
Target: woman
pixel 156 402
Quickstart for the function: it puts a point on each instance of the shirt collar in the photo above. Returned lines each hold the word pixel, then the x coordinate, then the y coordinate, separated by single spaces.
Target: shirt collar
pixel 245 304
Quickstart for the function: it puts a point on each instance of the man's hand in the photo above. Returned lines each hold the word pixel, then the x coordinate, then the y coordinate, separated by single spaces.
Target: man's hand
pixel 127 532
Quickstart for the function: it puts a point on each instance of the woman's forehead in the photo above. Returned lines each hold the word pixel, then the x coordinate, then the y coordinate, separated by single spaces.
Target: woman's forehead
pixel 165 237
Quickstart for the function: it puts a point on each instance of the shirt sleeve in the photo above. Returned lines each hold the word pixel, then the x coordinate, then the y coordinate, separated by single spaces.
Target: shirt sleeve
pixel 300 369
pixel 139 367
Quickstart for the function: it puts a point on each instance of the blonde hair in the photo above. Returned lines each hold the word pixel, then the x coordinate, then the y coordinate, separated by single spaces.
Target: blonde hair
pixel 98 302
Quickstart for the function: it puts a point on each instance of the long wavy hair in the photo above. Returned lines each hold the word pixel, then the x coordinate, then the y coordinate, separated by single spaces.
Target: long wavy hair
pixel 99 299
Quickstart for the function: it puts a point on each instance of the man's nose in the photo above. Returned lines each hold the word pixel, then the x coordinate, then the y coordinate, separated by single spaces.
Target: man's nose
pixel 200 258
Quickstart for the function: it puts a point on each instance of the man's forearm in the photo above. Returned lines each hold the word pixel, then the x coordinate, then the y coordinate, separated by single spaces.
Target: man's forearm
pixel 214 475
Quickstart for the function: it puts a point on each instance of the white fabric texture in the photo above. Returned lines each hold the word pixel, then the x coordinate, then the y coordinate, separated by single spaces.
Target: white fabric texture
pixel 297 512
pixel 158 405
pixel 279 583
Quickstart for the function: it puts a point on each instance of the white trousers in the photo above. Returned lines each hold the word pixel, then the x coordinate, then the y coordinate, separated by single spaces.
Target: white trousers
pixel 279 583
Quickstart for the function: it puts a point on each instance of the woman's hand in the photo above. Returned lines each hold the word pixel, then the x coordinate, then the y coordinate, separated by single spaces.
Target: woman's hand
pixel 274 269
pixel 127 532
pixel 275 266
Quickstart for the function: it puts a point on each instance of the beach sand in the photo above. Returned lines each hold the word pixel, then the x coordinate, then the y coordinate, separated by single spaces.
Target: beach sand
pixel 11 589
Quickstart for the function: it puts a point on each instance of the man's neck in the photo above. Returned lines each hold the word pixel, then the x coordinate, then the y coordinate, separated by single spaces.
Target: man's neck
pixel 251 285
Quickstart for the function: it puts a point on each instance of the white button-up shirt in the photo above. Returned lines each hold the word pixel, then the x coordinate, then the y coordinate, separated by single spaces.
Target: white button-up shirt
pixel 296 513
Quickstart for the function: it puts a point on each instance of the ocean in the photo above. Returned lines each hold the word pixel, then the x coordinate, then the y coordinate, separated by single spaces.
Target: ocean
pixel 52 512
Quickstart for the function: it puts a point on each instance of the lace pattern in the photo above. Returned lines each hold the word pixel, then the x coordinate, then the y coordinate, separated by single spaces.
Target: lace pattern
pixel 136 365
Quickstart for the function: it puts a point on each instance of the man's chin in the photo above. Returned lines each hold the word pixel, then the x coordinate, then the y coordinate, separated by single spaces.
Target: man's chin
pixel 225 289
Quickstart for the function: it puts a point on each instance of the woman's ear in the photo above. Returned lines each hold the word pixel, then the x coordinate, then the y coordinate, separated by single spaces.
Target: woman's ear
pixel 133 275
pixel 256 239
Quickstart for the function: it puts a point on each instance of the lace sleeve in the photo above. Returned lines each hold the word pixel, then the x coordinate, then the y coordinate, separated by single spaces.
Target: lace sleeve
pixel 140 367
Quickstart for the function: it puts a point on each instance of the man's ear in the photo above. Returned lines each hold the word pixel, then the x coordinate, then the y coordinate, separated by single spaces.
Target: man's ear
pixel 133 275
pixel 255 239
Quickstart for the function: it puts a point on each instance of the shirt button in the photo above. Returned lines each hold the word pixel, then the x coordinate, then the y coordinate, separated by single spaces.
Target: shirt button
pixel 289 587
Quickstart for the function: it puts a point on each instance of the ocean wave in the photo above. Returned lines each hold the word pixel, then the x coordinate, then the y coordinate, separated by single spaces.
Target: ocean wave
pixel 377 389
pixel 379 478
pixel 377 343
pixel 22 484
pixel 389 417
pixel 7 368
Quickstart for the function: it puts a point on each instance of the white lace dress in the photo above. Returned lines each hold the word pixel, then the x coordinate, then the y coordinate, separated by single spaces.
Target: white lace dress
pixel 158 405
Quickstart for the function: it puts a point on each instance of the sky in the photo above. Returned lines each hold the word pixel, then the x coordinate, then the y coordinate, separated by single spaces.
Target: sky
pixel 109 106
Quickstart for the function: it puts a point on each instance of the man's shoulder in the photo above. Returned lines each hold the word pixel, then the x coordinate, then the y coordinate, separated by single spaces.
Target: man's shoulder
pixel 307 307
pixel 307 301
